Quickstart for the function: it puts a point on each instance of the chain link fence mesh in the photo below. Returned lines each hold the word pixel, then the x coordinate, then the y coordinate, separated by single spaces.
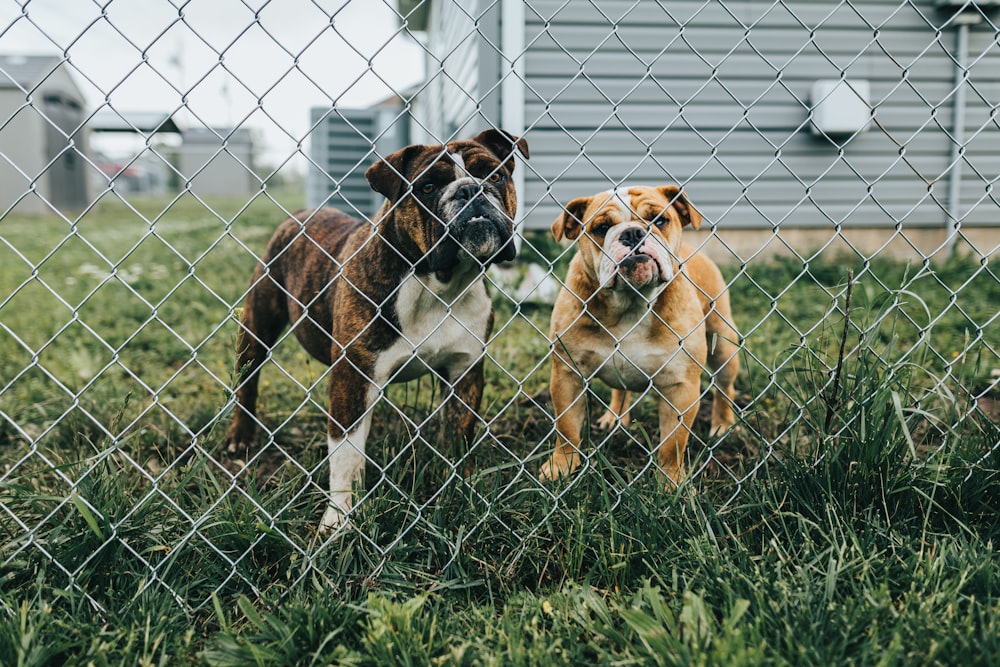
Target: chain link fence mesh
pixel 128 239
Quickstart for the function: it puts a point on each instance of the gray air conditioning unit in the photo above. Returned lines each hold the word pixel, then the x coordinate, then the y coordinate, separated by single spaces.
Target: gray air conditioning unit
pixel 972 9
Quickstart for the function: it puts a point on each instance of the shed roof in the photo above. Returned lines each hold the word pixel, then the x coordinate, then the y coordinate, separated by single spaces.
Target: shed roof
pixel 24 71
pixel 216 135
pixel 107 119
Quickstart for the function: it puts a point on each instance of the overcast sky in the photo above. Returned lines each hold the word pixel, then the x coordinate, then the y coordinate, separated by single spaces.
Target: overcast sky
pixel 234 59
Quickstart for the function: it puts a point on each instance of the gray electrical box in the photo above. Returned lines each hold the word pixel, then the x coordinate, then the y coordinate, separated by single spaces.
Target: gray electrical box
pixel 840 106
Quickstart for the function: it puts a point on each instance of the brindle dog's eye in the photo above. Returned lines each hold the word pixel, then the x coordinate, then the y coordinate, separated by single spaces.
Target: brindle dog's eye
pixel 496 177
pixel 601 229
pixel 428 188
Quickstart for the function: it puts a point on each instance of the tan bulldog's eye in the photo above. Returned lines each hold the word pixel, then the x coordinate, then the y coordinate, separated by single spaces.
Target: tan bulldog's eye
pixel 660 217
pixel 496 177
pixel 601 229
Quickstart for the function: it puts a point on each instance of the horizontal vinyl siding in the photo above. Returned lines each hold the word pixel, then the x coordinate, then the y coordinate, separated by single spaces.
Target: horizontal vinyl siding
pixel 452 71
pixel 718 101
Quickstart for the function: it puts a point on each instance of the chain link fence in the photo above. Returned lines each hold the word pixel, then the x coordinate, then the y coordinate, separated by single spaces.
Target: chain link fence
pixel 843 157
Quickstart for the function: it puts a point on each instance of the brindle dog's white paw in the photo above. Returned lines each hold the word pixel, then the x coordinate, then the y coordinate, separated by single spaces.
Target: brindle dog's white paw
pixel 335 516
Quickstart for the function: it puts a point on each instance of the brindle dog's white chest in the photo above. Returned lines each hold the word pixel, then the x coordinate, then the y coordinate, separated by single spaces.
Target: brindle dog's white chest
pixel 443 330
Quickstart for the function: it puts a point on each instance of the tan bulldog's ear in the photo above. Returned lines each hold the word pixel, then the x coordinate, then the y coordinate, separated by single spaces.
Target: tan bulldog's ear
pixel 569 224
pixel 502 144
pixel 388 176
pixel 689 214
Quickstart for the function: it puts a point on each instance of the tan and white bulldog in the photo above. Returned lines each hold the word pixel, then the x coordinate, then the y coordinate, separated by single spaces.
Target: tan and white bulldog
pixel 387 300
pixel 642 311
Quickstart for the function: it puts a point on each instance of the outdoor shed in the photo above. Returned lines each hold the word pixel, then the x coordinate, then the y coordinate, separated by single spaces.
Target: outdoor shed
pixel 217 162
pixel 146 169
pixel 873 122
pixel 43 140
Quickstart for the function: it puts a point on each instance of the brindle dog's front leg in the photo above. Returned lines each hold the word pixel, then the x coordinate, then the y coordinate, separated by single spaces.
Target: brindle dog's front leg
pixel 352 395
pixel 460 413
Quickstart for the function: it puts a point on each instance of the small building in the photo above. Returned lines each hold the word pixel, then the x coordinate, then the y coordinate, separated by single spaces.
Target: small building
pixel 344 143
pixel 43 137
pixel 216 162
pixel 145 165
pixel 740 103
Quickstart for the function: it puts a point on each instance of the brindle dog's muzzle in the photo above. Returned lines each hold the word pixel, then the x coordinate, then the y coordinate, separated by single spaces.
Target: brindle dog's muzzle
pixel 483 230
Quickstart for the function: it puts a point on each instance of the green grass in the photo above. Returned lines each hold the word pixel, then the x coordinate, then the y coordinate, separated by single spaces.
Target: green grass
pixel 850 518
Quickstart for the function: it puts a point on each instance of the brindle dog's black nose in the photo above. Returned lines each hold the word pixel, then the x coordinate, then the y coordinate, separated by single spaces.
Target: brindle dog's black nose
pixel 472 202
pixel 632 237
pixel 468 192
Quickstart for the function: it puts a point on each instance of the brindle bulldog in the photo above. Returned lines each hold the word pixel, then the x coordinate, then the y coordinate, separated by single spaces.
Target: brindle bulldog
pixel 389 300
pixel 642 311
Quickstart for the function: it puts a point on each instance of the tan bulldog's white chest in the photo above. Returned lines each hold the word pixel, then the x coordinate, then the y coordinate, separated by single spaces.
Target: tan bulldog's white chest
pixel 635 354
pixel 442 329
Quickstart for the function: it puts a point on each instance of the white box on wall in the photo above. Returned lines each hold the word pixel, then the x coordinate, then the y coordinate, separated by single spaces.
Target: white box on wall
pixel 840 106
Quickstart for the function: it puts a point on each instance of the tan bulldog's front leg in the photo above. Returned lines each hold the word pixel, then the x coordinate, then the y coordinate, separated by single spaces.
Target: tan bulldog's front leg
pixel 678 408
pixel 569 401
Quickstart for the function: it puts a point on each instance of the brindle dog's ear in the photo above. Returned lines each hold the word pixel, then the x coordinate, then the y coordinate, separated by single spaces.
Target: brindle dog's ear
pixel 388 176
pixel 503 143
pixel 569 224
pixel 689 214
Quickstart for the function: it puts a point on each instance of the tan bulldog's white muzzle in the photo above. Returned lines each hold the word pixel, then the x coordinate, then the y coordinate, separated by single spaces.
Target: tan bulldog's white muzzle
pixel 636 255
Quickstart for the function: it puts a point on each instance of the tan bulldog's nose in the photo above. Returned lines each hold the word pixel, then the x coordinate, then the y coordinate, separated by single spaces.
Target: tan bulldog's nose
pixel 632 237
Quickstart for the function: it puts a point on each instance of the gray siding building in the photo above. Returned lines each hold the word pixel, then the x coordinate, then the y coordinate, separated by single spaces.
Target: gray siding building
pixel 718 97
pixel 43 139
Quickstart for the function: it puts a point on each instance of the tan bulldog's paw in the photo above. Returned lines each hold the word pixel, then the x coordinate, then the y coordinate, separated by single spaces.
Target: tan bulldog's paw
pixel 559 465
pixel 719 429
pixel 609 420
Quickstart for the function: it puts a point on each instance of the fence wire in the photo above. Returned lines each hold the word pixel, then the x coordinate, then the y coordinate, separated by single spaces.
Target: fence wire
pixel 148 154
